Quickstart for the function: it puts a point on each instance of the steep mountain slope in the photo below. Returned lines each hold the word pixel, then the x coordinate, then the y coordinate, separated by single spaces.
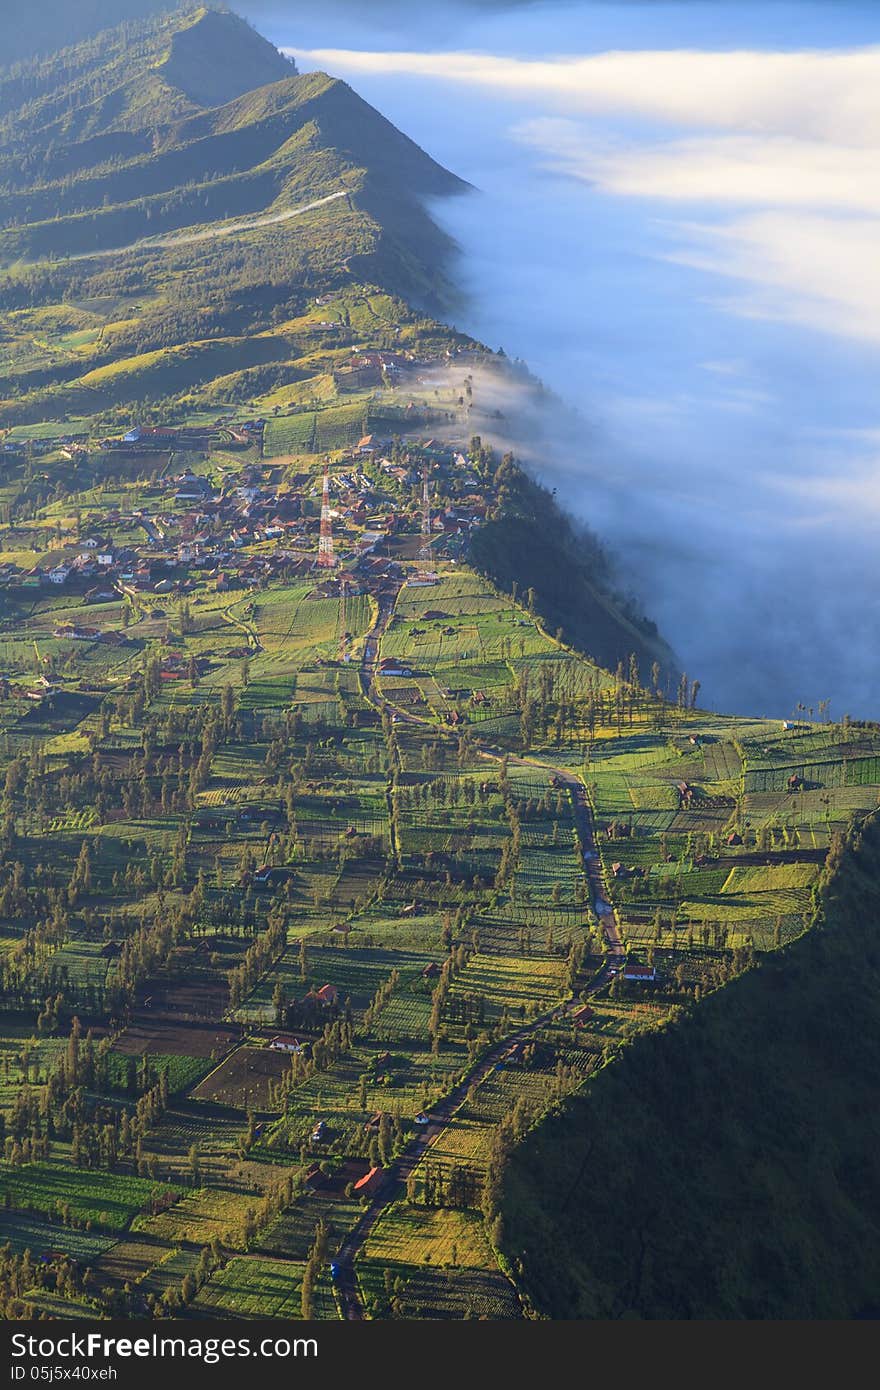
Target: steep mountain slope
pixel 306 137
pixel 183 162
pixel 179 122
pixel 727 1165
pixel 133 77
pixel 218 57
pixel 529 541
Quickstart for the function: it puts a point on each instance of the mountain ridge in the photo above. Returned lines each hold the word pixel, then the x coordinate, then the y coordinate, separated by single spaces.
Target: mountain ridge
pixel 127 140
pixel 197 56
pixel 316 112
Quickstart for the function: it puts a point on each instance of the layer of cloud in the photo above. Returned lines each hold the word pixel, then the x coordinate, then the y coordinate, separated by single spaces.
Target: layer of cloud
pixel 830 94
pixel 782 149
pixel 756 169
pixel 819 271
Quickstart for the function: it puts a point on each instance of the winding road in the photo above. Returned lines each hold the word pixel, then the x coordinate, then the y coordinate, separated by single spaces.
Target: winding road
pixel 174 239
pixel 444 1111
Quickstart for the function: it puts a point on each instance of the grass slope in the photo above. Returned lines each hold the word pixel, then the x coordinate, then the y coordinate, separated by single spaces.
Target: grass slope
pixel 199 56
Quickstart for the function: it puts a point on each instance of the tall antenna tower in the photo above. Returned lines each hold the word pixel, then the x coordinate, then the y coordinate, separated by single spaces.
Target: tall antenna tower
pixel 425 549
pixel 326 558
pixel 343 618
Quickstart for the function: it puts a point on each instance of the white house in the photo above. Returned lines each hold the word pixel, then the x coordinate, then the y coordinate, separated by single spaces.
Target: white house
pixel 643 974
pixel 391 667
pixel 282 1044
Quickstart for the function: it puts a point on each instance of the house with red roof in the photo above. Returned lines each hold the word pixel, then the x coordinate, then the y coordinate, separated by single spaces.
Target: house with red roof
pixel 370 1183
pixel 328 995
pixel 642 974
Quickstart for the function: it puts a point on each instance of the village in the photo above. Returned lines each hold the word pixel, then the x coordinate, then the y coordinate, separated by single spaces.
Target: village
pixel 217 522
pixel 215 515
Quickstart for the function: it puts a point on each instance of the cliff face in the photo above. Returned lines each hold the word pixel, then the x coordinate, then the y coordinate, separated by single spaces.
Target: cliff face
pixel 530 541
pixel 728 1165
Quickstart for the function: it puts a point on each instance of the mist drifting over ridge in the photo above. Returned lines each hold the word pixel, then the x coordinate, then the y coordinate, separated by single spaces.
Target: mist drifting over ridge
pixel 675 228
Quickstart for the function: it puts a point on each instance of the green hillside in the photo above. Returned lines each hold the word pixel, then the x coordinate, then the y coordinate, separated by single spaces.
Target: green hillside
pixel 726 1164
pixel 179 122
pixel 530 542
pixel 127 77
pixel 176 180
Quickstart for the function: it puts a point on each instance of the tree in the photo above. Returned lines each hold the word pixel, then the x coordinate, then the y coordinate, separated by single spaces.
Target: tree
pixel 278 1003
pixel 307 1293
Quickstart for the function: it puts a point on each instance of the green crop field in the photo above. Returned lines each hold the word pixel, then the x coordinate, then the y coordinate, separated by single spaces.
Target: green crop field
pixel 436 1236
pixel 108 1201
pixel 252 1288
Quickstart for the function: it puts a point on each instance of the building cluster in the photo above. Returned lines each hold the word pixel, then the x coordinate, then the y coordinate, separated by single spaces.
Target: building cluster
pixel 238 528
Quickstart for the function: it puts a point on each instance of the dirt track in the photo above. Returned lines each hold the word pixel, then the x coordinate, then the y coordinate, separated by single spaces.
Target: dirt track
pixel 173 239
pixel 441 1113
